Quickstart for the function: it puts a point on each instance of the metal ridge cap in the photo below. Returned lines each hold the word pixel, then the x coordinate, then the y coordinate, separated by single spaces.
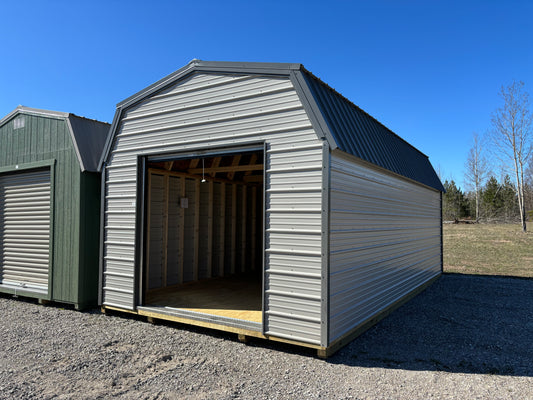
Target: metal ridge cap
pixel 72 115
pixel 155 86
pixel 33 111
pixel 214 66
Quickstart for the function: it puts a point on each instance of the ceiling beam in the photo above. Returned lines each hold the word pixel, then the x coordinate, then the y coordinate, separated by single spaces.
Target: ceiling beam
pixel 237 168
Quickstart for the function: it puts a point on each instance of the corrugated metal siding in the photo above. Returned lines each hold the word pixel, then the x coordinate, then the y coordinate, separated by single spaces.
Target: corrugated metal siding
pixel 25 230
pixel 208 110
pixel 359 134
pixel 385 241
pixel 44 139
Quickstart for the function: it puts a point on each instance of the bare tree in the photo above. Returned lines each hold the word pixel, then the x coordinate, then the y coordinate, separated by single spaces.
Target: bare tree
pixel 476 169
pixel 512 136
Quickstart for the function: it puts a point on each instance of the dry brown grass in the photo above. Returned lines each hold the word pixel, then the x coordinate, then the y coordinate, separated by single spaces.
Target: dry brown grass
pixel 488 249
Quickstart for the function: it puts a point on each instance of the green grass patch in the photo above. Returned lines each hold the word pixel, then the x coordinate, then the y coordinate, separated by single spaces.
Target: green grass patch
pixel 488 249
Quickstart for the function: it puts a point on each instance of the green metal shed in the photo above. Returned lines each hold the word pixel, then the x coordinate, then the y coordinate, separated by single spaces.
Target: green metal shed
pixel 50 205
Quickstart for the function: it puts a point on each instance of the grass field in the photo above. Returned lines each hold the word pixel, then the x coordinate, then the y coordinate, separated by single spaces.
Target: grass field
pixel 488 249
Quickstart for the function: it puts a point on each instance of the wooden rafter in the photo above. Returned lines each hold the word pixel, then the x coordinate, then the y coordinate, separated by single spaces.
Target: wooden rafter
pixel 214 165
pixel 194 163
pixel 253 161
pixel 234 163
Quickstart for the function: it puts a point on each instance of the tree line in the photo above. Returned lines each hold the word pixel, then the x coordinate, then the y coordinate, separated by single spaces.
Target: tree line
pixel 507 148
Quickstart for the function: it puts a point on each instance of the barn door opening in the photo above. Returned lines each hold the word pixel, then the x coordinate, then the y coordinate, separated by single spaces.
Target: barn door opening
pixel 204 236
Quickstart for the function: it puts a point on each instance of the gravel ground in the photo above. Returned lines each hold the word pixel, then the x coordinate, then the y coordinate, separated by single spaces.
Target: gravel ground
pixel 466 337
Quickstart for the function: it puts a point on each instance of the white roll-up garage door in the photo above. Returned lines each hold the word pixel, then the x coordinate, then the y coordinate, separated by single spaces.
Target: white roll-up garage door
pixel 25 230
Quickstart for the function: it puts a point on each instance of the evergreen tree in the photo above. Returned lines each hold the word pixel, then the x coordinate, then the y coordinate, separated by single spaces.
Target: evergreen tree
pixel 454 202
pixel 499 200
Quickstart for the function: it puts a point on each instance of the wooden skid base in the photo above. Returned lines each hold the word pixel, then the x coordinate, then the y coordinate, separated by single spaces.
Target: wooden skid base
pixel 243 335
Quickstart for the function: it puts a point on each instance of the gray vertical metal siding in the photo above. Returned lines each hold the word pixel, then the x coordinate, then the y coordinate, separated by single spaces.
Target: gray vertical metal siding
pixel 207 110
pixel 385 240
pixel 25 230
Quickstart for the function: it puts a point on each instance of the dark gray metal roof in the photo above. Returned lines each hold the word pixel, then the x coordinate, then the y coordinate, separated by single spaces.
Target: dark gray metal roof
pixel 357 133
pixel 344 125
pixel 88 136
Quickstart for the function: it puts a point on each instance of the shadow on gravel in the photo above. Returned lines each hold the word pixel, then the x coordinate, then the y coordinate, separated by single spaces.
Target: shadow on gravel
pixel 462 323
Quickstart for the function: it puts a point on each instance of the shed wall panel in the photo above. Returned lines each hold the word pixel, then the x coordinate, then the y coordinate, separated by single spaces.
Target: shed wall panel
pixel 205 111
pixel 385 240
pixel 44 138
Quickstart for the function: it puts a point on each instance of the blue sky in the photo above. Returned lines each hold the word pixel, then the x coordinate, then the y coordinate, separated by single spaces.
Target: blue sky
pixel 428 70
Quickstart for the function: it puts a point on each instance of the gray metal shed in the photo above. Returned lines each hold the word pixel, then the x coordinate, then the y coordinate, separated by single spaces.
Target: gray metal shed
pixel 50 205
pixel 253 198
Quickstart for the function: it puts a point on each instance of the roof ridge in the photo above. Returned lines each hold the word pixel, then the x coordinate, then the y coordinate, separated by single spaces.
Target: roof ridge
pixel 88 119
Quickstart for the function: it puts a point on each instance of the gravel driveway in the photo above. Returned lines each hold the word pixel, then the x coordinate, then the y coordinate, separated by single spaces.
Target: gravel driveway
pixel 466 337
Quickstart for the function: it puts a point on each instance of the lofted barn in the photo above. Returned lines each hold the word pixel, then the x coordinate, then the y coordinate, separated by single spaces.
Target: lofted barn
pixel 253 198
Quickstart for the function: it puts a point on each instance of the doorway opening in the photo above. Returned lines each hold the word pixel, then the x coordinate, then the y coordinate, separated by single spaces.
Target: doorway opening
pixel 204 238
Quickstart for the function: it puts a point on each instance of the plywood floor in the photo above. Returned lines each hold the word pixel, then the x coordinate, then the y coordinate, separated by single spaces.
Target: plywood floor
pixel 233 297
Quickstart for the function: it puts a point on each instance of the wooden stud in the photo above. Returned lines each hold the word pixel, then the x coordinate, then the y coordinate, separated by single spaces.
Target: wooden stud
pixel 196 229
pixel 181 232
pixel 210 230
pixel 148 224
pixel 164 262
pixel 243 227
pixel 233 225
pixel 254 226
pixel 169 165
pixel 222 227
pixel 234 163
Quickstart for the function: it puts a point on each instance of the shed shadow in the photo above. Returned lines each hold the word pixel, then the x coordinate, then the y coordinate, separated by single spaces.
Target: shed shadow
pixel 462 323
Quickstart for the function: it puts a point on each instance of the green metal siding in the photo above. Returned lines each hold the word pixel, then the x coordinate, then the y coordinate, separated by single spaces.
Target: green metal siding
pixel 46 138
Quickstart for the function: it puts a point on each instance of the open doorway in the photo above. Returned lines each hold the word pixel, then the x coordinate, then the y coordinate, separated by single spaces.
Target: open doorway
pixel 204 237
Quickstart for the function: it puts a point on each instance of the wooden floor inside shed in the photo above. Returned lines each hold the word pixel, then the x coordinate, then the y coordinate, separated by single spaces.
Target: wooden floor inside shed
pixel 233 297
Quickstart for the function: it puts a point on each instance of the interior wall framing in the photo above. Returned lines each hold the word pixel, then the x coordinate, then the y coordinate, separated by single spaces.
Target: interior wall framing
pixel 199 230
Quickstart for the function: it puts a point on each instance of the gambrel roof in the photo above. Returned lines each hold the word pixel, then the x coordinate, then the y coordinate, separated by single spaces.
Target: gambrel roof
pixel 88 135
pixel 344 125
